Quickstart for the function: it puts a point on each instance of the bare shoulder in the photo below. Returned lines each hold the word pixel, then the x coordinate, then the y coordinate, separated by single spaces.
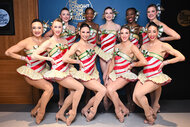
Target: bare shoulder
pixel 72 28
pixel 118 27
pixel 102 26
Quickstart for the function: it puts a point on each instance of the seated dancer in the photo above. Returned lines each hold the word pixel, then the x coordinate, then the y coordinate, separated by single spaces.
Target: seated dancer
pixel 153 12
pixel 152 77
pixel 34 69
pixel 89 15
pixel 68 34
pixel 119 70
pixel 57 47
pixel 88 74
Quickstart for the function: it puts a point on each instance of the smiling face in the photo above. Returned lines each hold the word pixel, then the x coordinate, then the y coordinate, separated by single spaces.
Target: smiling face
pixel 124 34
pixel 57 28
pixel 65 15
pixel 130 16
pixel 37 29
pixel 151 13
pixel 84 33
pixel 152 33
pixel 108 14
pixel 89 15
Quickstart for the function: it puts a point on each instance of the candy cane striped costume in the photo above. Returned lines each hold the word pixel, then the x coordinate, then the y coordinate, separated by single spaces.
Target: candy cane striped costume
pixel 134 39
pixel 70 36
pixel 36 68
pixel 59 70
pixel 108 40
pixel 89 70
pixel 122 61
pixel 92 38
pixel 151 70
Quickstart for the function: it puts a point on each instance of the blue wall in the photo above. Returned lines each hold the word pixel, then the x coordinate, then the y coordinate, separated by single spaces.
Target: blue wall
pixel 50 9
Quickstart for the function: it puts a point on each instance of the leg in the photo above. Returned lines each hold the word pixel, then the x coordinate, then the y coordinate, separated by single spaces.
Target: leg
pixel 112 91
pixel 47 94
pixel 78 88
pixel 155 100
pixel 61 96
pixel 100 93
pixel 66 104
pixel 140 92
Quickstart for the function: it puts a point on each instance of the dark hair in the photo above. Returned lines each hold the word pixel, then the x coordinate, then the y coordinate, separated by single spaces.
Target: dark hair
pixel 108 8
pixel 64 9
pixel 152 24
pixel 152 5
pixel 132 8
pixel 84 25
pixel 125 27
pixel 88 9
pixel 36 20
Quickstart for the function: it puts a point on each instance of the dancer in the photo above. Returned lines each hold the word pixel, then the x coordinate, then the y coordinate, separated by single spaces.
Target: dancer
pixel 89 15
pixel 57 47
pixel 120 68
pixel 152 77
pixel 135 37
pixel 88 74
pixel 68 34
pixel 34 69
pixel 108 32
pixel 153 12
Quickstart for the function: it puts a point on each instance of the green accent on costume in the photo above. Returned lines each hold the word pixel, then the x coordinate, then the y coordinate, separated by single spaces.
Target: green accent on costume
pixel 57 48
pixel 86 53
pixel 123 55
pixel 29 52
pixel 68 32
pixel 146 53
pixel 108 32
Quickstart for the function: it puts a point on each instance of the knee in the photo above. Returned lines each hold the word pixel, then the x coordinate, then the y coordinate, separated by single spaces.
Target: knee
pixel 110 90
pixel 81 88
pixel 103 90
pixel 49 89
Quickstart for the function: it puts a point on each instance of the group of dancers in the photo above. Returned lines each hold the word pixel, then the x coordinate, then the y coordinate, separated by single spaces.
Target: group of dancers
pixel 137 47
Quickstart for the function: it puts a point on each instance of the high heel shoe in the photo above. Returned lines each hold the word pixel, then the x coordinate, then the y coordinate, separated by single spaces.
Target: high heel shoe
pixel 149 119
pixel 71 117
pixel 156 109
pixel 60 117
pixel 91 114
pixel 120 116
pixel 34 112
pixel 84 112
pixel 39 117
pixel 125 111
pixel 60 104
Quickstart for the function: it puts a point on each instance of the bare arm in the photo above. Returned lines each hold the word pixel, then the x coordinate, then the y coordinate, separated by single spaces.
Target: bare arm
pixel 178 56
pixel 13 51
pixel 67 57
pixel 142 61
pixel 172 35
pixel 43 47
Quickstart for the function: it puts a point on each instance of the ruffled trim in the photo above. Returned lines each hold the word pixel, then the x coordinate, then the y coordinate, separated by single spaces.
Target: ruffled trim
pixel 82 75
pixel 161 79
pixel 105 56
pixel 28 72
pixel 56 75
pixel 128 76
